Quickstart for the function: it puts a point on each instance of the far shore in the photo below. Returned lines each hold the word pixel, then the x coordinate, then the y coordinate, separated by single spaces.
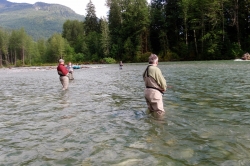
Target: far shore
pixel 49 67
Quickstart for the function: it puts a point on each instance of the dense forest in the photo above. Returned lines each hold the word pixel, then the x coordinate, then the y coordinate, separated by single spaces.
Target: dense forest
pixel 172 29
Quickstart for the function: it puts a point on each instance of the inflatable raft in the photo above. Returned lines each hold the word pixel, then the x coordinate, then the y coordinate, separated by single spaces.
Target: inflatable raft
pixel 76 67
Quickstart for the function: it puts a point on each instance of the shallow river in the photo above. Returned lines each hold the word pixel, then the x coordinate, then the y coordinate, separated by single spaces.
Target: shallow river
pixel 100 119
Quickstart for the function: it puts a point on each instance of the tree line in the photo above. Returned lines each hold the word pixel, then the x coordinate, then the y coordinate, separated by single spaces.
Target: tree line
pixel 172 29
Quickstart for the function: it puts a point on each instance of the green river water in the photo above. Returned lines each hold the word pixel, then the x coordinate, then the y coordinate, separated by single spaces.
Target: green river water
pixel 100 120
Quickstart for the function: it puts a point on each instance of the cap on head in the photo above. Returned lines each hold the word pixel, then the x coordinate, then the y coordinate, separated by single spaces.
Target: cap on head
pixel 152 59
pixel 61 60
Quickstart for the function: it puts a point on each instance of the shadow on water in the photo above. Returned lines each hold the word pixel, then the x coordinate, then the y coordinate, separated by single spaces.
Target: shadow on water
pixel 101 119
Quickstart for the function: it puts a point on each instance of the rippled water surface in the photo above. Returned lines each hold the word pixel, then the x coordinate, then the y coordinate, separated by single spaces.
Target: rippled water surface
pixel 100 119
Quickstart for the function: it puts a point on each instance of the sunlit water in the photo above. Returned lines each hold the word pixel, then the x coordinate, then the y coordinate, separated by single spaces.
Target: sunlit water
pixel 100 119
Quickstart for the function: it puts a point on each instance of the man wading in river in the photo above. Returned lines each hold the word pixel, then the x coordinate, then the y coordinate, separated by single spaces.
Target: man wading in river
pixel 155 86
pixel 63 73
pixel 70 69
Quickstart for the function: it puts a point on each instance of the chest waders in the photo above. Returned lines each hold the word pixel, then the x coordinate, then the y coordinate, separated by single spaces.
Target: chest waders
pixel 149 76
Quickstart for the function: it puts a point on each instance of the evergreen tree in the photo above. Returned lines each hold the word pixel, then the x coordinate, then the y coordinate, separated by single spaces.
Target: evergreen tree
pixel 158 27
pixel 91 23
pixel 18 45
pixel 23 38
pixel 135 24
pixel 115 24
pixel 42 49
pixel 4 45
pixel 105 39
pixel 57 45
pixel 73 31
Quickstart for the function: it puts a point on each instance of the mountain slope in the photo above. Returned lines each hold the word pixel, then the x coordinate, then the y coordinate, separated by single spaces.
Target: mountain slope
pixel 40 20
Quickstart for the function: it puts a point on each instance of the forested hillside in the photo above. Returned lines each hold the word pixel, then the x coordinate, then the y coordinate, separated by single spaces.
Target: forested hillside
pixel 40 20
pixel 172 29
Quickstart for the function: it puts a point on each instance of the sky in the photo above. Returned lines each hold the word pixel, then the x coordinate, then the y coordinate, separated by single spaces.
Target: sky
pixel 79 6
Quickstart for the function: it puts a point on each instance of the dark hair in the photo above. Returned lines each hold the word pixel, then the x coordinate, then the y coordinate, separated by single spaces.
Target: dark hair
pixel 152 59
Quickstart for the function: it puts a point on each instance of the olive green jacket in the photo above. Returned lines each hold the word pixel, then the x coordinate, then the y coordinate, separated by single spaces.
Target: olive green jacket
pixel 153 78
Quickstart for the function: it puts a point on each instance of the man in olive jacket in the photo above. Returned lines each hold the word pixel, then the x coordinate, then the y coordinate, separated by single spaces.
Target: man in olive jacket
pixel 155 86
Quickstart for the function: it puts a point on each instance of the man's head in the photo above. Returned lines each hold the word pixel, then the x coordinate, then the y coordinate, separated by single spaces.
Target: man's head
pixel 153 59
pixel 61 61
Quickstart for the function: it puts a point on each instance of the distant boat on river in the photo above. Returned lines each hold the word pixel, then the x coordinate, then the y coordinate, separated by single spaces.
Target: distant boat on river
pixel 76 67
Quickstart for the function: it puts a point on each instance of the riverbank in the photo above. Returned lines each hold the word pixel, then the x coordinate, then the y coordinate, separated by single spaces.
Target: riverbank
pixel 48 67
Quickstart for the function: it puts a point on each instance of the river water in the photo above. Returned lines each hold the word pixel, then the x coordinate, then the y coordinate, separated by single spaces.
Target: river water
pixel 101 120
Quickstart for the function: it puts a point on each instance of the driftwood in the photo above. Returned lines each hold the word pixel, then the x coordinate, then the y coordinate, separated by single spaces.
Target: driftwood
pixel 246 56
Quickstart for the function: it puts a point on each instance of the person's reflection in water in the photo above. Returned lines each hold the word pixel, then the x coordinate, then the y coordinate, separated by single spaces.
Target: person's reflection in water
pixel 155 86
pixel 63 99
